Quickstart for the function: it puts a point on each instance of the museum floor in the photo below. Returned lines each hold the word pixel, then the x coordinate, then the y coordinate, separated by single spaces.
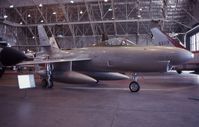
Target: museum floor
pixel 166 100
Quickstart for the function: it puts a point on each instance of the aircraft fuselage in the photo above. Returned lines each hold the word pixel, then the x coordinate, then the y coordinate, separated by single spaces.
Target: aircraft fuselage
pixel 122 59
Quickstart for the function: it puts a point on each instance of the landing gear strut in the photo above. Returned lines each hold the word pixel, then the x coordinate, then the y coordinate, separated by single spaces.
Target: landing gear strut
pixel 48 83
pixel 2 70
pixel 134 85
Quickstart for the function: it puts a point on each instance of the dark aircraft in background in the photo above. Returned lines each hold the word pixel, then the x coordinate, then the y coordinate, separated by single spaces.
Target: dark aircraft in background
pixel 91 64
pixel 161 38
pixel 9 57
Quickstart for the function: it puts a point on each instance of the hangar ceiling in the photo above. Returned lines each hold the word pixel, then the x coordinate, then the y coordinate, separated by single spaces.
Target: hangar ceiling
pixel 74 18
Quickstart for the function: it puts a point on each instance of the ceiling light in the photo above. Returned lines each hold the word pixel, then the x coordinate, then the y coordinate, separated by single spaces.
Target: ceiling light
pixel 54 13
pixel 5 16
pixel 33 37
pixel 11 6
pixel 140 9
pixel 21 23
pixel 60 36
pixel 81 12
pixel 105 0
pixel 42 21
pixel 110 9
pixel 40 5
pixel 29 15
pixel 173 6
pixel 71 1
pixel 9 45
pixel 139 16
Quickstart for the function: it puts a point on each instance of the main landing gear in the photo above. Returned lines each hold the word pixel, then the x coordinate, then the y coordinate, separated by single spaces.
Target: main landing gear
pixel 48 83
pixel 134 85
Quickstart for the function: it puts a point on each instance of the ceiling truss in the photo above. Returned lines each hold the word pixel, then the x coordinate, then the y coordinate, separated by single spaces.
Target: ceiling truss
pixel 92 17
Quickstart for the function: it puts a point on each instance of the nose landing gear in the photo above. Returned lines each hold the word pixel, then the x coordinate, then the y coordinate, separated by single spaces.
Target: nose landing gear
pixel 134 85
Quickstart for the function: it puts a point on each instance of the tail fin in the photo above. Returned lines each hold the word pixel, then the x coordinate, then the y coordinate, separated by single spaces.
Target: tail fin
pixel 43 38
pixel 46 43
pixel 161 38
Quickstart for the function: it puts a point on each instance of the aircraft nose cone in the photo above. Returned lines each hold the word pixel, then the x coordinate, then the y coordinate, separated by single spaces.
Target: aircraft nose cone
pixel 184 56
pixel 10 56
pixel 188 55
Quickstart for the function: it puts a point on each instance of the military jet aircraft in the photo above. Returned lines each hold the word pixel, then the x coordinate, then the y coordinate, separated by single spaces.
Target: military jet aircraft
pixel 91 64
pixel 9 57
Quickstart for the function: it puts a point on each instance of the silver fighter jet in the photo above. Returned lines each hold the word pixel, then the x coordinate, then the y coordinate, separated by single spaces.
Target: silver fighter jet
pixel 91 64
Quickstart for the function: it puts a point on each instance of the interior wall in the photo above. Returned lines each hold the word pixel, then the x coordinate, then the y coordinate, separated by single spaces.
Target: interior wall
pixel 195 12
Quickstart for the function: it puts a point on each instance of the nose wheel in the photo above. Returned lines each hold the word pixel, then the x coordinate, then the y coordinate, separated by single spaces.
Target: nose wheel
pixel 134 85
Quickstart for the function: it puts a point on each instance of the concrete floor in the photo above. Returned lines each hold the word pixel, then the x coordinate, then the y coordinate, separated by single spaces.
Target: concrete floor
pixel 169 100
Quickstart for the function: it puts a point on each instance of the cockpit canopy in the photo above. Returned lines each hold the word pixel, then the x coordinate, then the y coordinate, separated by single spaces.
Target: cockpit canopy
pixel 119 42
pixel 113 42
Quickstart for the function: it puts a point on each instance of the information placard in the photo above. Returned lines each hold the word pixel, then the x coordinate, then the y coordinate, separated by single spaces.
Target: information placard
pixel 26 81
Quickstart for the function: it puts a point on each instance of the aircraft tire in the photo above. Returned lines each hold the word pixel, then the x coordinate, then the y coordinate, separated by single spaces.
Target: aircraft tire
pixel 179 71
pixel 134 86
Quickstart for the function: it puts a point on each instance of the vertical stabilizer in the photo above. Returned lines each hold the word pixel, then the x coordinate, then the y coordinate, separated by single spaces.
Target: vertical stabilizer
pixel 162 39
pixel 47 44
pixel 43 38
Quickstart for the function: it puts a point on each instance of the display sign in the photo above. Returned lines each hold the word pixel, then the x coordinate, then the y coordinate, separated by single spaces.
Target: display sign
pixel 26 81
